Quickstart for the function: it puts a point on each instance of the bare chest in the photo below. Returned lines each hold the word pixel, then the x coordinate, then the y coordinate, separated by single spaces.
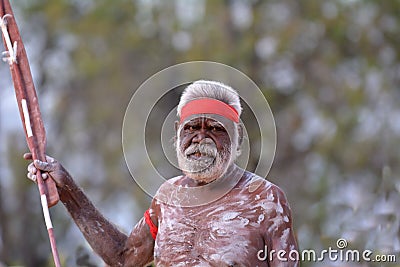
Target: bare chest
pixel 219 234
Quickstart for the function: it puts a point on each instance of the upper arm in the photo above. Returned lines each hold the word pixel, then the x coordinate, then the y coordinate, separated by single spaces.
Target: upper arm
pixel 139 246
pixel 278 232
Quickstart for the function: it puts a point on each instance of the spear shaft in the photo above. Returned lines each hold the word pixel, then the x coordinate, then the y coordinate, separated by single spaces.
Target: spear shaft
pixel 29 111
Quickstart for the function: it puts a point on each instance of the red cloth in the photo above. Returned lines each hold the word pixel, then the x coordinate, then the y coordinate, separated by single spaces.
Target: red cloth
pixel 153 227
pixel 209 106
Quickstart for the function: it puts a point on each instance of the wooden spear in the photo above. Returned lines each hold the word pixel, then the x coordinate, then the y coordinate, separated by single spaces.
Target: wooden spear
pixel 28 106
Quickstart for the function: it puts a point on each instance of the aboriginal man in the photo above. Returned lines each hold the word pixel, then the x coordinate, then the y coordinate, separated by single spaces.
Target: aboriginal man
pixel 214 214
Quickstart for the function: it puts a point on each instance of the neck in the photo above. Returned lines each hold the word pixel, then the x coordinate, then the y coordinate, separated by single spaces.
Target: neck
pixel 190 182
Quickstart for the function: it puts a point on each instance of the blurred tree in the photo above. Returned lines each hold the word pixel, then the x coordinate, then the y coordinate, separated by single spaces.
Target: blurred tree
pixel 329 69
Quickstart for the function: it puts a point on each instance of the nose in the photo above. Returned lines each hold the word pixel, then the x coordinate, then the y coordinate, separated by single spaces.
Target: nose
pixel 201 135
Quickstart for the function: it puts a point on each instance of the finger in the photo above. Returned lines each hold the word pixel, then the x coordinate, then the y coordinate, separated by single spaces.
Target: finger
pixel 28 156
pixel 45 176
pixel 32 169
pixel 50 159
pixel 31 177
pixel 44 166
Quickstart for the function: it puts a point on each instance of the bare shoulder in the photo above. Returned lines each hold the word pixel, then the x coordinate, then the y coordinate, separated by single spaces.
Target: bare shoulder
pixel 168 184
pixel 270 203
pixel 267 198
pixel 168 188
pixel 262 188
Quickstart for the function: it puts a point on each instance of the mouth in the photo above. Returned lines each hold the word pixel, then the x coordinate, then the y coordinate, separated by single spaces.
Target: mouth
pixel 197 155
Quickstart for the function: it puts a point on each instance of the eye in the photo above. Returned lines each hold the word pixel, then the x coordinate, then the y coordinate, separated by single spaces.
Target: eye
pixel 190 128
pixel 217 128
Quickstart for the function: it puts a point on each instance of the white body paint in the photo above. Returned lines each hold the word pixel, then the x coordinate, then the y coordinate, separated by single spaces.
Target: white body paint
pixel 46 212
pixel 227 232
pixel 12 50
pixel 27 118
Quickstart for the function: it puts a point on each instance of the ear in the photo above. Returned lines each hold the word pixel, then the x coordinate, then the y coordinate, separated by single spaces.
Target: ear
pixel 176 126
pixel 240 134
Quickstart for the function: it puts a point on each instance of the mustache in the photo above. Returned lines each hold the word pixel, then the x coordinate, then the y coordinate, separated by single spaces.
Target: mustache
pixel 205 147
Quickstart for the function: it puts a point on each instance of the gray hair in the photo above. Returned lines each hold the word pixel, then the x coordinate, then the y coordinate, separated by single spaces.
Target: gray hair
pixel 210 89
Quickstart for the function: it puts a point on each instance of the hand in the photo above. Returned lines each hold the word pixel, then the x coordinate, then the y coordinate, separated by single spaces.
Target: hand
pixel 50 168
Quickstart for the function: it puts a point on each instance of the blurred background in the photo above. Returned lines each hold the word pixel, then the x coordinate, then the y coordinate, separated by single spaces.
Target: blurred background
pixel 330 70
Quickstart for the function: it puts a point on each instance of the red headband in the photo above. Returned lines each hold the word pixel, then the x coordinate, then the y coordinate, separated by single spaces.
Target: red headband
pixel 209 106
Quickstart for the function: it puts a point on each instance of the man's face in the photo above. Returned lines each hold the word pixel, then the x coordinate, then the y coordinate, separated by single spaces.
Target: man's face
pixel 204 148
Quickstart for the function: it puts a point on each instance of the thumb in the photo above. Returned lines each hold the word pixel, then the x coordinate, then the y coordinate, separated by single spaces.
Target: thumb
pixel 44 166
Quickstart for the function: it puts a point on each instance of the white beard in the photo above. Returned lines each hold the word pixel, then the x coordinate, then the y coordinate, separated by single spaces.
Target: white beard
pixel 202 162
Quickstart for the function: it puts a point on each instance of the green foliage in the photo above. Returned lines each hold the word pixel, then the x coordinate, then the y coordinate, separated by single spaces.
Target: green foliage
pixel 330 70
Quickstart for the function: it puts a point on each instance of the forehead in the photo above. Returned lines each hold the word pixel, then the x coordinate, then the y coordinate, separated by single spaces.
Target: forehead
pixel 206 120
pixel 209 120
